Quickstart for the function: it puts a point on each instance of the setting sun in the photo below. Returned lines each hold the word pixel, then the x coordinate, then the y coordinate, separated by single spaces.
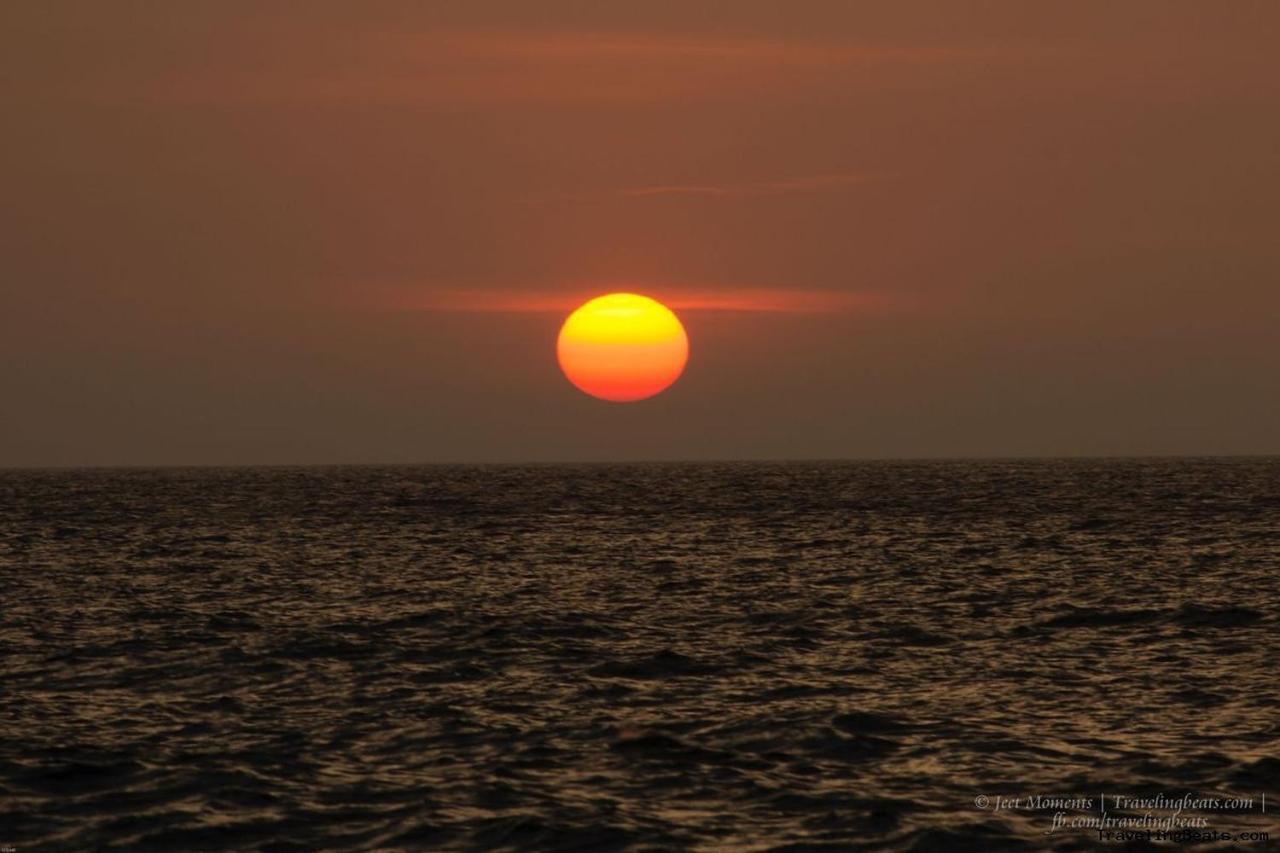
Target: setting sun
pixel 622 347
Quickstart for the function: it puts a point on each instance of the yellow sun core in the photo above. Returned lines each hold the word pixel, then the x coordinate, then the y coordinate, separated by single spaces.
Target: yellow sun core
pixel 622 347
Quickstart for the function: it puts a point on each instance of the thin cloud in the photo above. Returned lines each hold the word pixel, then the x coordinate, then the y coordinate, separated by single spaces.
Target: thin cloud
pixel 807 184
pixel 771 300
pixel 468 66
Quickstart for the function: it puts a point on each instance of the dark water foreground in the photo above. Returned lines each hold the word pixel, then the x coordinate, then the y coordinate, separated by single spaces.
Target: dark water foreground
pixel 606 657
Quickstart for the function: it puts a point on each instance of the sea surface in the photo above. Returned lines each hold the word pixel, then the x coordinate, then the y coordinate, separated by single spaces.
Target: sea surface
pixel 666 656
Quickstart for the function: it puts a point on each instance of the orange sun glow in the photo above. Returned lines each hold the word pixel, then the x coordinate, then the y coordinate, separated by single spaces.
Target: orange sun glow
pixel 622 347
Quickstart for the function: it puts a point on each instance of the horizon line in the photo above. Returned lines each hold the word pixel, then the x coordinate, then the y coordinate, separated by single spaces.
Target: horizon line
pixel 1106 457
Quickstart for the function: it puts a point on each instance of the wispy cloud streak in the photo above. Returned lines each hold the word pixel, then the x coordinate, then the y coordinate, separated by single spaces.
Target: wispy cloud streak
pixel 500 66
pixel 807 184
pixel 772 300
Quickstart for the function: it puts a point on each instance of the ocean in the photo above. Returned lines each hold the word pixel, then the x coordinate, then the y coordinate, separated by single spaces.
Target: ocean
pixel 733 656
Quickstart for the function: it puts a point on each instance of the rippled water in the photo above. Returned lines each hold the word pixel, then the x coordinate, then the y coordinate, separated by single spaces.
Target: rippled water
pixel 652 656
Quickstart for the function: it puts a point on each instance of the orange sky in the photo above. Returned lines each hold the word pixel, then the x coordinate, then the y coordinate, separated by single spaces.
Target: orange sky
pixel 338 232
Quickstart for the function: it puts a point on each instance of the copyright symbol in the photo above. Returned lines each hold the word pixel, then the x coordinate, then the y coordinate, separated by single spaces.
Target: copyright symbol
pixel 982 801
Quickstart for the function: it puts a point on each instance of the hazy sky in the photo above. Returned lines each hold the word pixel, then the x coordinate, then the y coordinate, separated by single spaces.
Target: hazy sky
pixel 349 231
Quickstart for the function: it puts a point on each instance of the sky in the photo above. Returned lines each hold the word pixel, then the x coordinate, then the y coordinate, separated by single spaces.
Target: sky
pixel 335 232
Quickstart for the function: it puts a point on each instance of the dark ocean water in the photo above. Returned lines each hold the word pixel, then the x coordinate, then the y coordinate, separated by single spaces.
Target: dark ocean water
pixel 723 656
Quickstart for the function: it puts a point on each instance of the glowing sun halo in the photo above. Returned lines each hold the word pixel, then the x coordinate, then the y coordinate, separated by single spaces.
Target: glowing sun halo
pixel 622 347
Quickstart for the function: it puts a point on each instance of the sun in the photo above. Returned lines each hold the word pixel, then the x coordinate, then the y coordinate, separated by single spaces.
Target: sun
pixel 622 347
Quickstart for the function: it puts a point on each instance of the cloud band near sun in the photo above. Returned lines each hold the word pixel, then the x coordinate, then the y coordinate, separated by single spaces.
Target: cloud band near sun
pixel 775 300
